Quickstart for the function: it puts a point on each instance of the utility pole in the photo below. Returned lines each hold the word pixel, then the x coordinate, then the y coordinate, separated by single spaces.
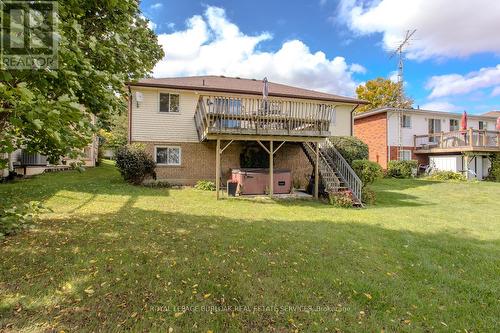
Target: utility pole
pixel 399 52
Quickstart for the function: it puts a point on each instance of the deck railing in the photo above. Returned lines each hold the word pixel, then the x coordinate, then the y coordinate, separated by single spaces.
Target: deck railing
pixel 256 116
pixel 471 138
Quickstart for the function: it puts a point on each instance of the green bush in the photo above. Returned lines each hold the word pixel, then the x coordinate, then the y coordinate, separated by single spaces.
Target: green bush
pixel 350 147
pixel 205 185
pixel 446 175
pixel 17 218
pixel 367 171
pixel 157 184
pixel 368 196
pixel 401 169
pixel 135 164
pixel 494 174
pixel 341 199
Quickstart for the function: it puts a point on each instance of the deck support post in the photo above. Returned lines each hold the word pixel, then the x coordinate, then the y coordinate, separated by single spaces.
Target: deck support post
pixel 316 172
pixel 217 168
pixel 271 169
pixel 466 166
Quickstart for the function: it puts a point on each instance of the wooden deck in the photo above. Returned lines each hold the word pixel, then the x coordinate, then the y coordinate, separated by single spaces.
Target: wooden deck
pixel 470 140
pixel 218 116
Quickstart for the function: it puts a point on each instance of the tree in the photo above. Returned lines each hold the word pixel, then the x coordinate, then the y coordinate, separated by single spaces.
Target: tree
pixel 102 45
pixel 116 136
pixel 381 92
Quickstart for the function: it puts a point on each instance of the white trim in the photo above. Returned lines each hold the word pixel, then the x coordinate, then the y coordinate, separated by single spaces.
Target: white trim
pixel 168 112
pixel 167 164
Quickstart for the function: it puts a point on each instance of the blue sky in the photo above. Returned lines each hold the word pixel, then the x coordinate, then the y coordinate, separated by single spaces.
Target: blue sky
pixel 452 65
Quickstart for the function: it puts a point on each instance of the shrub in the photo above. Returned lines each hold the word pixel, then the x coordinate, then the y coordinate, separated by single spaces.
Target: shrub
pixel 205 185
pixel 401 169
pixel 350 147
pixel 367 171
pixel 157 184
pixel 368 196
pixel 17 218
pixel 446 175
pixel 494 174
pixel 341 199
pixel 135 164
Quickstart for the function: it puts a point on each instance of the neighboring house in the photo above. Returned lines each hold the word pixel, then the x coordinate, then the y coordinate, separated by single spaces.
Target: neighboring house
pixel 198 127
pixel 431 137
pixel 29 164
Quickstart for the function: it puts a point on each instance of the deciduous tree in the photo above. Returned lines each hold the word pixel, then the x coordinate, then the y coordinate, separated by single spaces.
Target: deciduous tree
pixel 381 92
pixel 102 45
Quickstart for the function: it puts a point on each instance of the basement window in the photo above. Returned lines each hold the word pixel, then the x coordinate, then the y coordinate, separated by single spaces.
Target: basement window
pixel 404 155
pixel 168 155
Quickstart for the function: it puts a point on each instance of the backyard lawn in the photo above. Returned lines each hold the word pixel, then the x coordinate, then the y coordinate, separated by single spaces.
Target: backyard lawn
pixel 114 257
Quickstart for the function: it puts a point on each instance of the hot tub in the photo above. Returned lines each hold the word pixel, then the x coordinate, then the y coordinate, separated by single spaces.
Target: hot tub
pixel 256 181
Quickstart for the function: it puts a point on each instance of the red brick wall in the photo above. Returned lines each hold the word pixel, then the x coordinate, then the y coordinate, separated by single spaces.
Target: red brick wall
pixel 372 130
pixel 422 159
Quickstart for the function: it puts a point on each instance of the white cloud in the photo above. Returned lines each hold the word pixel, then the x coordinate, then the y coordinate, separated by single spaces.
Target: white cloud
pixel 445 28
pixel 157 5
pixel 441 106
pixel 211 44
pixel 393 76
pixel 152 25
pixel 495 91
pixel 456 84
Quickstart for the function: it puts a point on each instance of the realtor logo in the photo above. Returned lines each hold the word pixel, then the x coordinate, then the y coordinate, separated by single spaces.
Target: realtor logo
pixel 28 39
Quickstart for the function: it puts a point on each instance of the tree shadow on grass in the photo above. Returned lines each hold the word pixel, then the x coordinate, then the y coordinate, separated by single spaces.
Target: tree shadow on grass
pixel 109 273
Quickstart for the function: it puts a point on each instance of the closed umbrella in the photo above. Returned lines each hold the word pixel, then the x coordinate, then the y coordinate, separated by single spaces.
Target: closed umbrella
pixel 463 122
pixel 498 124
pixel 265 92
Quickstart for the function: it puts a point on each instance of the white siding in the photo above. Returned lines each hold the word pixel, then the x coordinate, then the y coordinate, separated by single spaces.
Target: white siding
pixel 420 126
pixel 342 124
pixel 446 162
pixel 148 124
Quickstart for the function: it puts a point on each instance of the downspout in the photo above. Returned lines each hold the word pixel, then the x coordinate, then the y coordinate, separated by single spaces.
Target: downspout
pixel 352 119
pixel 129 114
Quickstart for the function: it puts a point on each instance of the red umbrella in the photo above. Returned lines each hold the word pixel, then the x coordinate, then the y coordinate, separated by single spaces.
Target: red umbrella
pixel 463 122
pixel 498 123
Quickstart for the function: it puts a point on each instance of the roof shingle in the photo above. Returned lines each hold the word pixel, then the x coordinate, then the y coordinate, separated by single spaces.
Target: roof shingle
pixel 241 86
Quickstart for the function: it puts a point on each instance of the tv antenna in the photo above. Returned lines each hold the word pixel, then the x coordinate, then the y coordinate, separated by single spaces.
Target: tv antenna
pixel 399 52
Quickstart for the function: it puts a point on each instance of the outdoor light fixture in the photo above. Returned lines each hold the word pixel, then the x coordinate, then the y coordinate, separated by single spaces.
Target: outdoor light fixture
pixel 139 97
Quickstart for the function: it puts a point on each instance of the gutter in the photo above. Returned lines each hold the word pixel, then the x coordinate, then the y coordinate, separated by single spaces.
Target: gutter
pixel 129 114
pixel 352 119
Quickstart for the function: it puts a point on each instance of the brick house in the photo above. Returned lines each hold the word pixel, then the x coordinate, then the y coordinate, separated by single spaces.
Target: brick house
pixel 431 137
pixel 198 127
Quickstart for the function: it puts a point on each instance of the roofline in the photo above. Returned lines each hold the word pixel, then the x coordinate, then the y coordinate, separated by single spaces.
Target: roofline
pixel 421 111
pixel 245 92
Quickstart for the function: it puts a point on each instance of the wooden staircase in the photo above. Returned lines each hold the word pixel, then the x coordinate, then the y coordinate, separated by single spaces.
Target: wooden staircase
pixel 335 173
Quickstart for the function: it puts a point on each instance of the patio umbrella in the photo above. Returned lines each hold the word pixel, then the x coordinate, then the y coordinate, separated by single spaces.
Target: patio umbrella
pixel 265 93
pixel 463 122
pixel 498 124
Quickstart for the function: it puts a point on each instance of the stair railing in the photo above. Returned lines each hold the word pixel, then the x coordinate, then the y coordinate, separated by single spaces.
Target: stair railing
pixel 344 170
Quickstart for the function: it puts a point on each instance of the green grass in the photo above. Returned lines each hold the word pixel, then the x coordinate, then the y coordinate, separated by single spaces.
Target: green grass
pixel 115 257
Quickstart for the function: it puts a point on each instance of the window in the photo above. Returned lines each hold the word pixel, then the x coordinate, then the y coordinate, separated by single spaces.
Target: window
pixel 168 155
pixel 454 125
pixel 434 127
pixel 405 155
pixel 169 102
pixel 483 125
pixel 406 121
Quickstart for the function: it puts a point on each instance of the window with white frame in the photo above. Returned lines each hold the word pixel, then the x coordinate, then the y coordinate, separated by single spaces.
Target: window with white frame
pixel 169 102
pixel 483 125
pixel 406 121
pixel 454 125
pixel 168 155
pixel 404 155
